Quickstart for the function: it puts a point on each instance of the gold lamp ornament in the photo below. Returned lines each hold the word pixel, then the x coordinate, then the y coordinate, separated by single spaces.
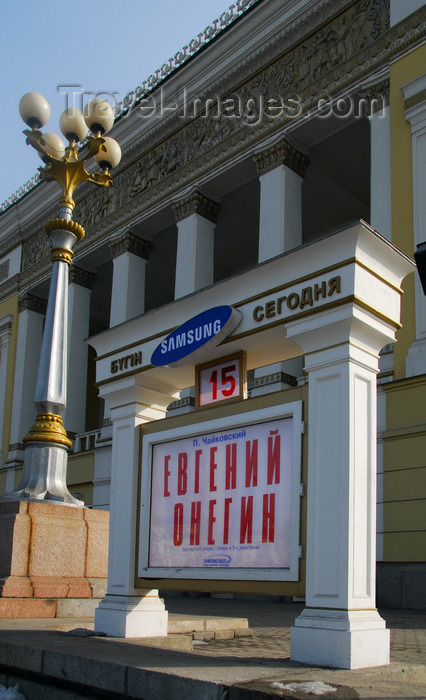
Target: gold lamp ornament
pixel 62 162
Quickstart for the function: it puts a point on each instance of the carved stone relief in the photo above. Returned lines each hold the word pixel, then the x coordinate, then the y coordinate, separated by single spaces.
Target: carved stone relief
pixel 35 249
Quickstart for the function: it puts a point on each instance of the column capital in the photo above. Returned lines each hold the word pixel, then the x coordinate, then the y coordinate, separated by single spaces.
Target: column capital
pixel 196 203
pixel 129 242
pixel 83 278
pixel 30 302
pixel 376 96
pixel 281 153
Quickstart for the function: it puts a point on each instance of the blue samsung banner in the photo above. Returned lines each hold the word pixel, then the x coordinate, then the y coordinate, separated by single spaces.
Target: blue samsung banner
pixel 208 328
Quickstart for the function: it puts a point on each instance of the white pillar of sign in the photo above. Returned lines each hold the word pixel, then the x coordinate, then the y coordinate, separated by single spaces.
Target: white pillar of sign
pixel 79 292
pixel 30 332
pixel 127 611
pixel 340 625
pixel 281 169
pixel 415 113
pixel 196 217
pixel 130 254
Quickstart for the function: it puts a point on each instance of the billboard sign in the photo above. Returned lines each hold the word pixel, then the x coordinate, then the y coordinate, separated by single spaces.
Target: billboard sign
pixel 225 498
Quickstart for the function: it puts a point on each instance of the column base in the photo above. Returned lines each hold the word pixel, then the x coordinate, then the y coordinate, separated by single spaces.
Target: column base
pixel 132 616
pixel 340 638
pixel 44 477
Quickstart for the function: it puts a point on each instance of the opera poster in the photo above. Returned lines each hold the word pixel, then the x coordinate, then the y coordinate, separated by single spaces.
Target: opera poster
pixel 224 500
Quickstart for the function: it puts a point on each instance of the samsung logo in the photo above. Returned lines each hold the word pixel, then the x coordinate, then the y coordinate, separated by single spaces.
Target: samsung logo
pixel 208 328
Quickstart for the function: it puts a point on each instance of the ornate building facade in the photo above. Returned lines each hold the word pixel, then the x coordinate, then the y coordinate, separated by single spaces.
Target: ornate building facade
pixel 280 124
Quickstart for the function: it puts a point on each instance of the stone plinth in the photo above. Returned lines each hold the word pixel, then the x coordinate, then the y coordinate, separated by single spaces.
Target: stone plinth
pixel 50 552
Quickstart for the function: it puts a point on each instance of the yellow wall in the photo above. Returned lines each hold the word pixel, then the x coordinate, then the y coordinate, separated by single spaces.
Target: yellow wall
pixel 404 442
pixel 404 70
pixel 404 482
pixel 80 475
pixel 9 307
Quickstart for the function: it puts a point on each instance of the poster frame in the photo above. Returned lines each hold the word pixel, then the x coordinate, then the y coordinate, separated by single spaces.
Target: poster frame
pixel 245 418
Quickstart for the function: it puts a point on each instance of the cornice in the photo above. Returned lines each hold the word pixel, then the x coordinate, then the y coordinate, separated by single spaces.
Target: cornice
pixel 415 100
pixel 174 164
pixel 196 203
pixel 288 37
pixel 10 287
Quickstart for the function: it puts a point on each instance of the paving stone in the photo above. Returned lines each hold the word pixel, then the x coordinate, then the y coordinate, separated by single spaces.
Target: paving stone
pixel 224 634
pixel 203 636
pixel 244 632
pixel 247 667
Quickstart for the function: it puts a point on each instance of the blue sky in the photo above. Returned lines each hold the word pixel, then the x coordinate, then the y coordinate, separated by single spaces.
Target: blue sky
pixel 110 46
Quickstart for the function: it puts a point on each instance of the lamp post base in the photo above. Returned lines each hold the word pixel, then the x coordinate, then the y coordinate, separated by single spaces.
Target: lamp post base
pixel 44 476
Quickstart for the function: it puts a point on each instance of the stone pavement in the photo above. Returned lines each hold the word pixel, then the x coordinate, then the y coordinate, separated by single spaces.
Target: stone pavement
pixel 58 665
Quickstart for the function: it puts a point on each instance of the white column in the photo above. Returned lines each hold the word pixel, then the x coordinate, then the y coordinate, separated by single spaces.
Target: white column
pixel 281 169
pixel 127 611
pixel 5 331
pixel 129 253
pixel 196 217
pixel 30 333
pixel 415 113
pixel 79 291
pixel 340 625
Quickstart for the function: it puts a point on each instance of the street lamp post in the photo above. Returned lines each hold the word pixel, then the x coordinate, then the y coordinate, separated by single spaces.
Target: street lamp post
pixel 47 443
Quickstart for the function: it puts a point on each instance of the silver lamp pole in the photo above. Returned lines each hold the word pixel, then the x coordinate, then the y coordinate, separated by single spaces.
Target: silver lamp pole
pixel 47 443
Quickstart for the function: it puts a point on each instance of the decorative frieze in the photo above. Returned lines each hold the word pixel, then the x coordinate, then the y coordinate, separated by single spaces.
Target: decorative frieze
pixel 196 203
pixel 83 278
pixel 29 302
pixel 282 153
pixel 129 242
pixel 35 249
